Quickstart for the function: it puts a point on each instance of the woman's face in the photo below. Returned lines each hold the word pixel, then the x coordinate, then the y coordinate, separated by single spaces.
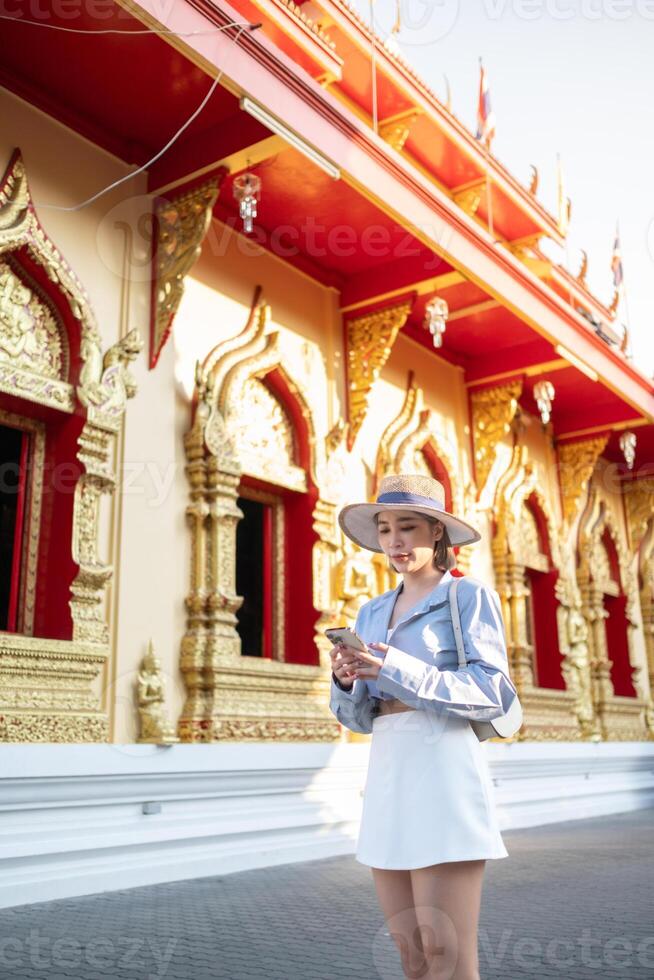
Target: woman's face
pixel 407 538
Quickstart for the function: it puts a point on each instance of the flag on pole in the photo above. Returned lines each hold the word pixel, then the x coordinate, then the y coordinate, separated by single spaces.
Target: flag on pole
pixel 616 261
pixel 485 115
pixel 562 200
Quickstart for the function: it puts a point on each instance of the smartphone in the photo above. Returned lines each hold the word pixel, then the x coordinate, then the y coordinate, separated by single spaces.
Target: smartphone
pixel 343 634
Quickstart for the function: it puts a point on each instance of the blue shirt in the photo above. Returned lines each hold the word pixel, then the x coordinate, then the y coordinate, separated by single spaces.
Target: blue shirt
pixel 421 664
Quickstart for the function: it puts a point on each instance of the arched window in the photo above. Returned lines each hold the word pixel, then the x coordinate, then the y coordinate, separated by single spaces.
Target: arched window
pixel 540 597
pixel 607 575
pixel 275 537
pixel 39 432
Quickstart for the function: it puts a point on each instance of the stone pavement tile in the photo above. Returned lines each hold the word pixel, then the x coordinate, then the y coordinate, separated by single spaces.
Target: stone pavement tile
pixel 571 902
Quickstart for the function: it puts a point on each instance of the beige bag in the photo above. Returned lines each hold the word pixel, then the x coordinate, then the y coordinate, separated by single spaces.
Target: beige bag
pixel 507 724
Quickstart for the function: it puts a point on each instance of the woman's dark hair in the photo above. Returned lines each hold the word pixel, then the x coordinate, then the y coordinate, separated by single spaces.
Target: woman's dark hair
pixel 444 557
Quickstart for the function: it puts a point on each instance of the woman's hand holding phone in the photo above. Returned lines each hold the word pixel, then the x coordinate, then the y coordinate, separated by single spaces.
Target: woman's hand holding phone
pixel 343 661
pixel 349 663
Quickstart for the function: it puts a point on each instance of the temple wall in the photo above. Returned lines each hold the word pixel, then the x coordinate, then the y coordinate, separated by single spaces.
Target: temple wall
pixel 143 530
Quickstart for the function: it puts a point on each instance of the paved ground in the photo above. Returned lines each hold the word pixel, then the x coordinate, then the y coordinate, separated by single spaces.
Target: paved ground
pixel 573 901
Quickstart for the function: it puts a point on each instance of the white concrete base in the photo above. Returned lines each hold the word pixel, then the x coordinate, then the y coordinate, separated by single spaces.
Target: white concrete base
pixel 72 820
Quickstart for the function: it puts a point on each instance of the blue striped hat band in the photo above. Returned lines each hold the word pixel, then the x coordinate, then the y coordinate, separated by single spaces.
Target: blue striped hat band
pixel 400 497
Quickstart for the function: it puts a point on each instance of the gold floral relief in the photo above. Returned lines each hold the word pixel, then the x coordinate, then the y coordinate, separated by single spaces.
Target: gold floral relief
pixel 638 498
pixel 369 341
pixel 493 410
pixel 259 425
pixel 181 223
pixel 576 464
pixel 30 336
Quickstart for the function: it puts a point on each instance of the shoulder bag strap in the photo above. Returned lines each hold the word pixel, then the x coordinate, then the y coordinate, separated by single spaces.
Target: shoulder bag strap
pixel 456 623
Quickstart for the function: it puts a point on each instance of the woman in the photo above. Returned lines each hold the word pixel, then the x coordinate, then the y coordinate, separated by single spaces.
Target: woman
pixel 428 822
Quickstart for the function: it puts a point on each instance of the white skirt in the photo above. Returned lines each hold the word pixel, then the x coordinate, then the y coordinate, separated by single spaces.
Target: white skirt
pixel 428 796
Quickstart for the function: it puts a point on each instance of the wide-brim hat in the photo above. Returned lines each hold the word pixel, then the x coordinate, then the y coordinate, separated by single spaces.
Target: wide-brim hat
pixel 410 492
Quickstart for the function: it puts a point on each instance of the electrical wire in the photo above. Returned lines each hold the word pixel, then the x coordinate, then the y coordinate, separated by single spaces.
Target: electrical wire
pixel 173 139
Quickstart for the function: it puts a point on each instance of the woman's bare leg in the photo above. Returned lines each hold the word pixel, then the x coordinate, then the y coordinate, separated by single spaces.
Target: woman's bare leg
pixel 447 900
pixel 395 896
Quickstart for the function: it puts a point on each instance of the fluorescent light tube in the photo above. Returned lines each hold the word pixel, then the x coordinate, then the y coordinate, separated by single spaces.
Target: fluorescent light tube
pixel 576 362
pixel 278 127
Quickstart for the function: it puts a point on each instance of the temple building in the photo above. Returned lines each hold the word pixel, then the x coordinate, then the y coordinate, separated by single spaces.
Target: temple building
pixel 204 354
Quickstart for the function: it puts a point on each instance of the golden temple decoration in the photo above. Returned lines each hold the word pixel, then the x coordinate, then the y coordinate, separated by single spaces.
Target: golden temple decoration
pixel 646 576
pixel 613 308
pixel 231 695
pixel 576 464
pixel 48 687
pixel 105 382
pixel 370 339
pixel 583 269
pixel 639 507
pixel 469 199
pixel 356 581
pixel 326 554
pixel 533 180
pixel 395 130
pixel 402 444
pixel 315 27
pixel 181 223
pixel 30 336
pixel 407 420
pixel 516 548
pixel 35 364
pixel 493 410
pixel 527 250
pixel 150 690
pixel 618 717
pixel 573 643
pixel 105 385
pixel 47 690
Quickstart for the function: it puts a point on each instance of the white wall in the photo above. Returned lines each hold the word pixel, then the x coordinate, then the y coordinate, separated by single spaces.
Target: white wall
pixel 72 820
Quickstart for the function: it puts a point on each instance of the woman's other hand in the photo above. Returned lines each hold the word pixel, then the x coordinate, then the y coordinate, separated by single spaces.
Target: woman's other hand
pixel 369 664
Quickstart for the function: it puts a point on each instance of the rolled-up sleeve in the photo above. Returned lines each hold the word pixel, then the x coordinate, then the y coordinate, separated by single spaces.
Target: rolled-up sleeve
pixel 481 691
pixel 354 708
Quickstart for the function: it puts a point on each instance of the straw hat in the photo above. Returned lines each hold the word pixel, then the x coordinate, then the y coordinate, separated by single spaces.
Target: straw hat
pixel 410 492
